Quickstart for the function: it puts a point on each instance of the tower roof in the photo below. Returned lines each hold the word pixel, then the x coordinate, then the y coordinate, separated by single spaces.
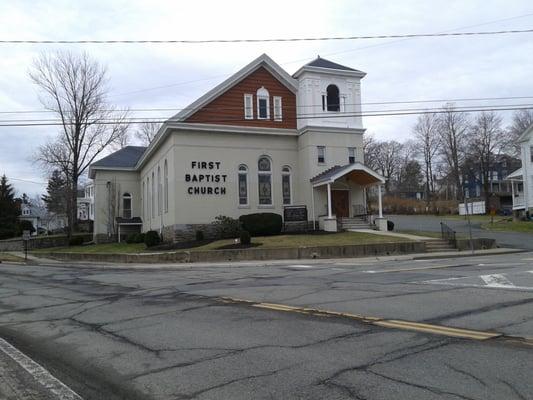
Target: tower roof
pixel 320 64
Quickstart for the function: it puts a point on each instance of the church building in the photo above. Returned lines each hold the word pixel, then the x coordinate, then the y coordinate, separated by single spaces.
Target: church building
pixel 261 141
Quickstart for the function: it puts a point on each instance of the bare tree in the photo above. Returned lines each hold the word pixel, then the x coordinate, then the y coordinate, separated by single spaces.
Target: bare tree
pixel 146 132
pixel 75 88
pixel 426 133
pixel 522 119
pixel 388 160
pixel 485 139
pixel 453 127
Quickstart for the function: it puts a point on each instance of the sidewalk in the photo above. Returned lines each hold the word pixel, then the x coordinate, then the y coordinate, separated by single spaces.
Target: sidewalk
pixel 21 378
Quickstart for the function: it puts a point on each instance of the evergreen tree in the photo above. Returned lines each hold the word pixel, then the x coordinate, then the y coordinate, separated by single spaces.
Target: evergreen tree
pixel 9 210
pixel 56 199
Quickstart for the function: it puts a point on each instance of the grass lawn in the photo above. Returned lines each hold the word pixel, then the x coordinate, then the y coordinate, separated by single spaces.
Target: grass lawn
pixel 436 235
pixel 476 218
pixel 327 239
pixel 9 258
pixel 98 248
pixel 509 225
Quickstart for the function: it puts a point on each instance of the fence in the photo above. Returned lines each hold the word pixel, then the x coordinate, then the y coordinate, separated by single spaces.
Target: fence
pixel 447 233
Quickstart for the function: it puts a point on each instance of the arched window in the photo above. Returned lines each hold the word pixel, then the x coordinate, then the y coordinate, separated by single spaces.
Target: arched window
pixel 165 173
pixel 159 194
pixel 263 103
pixel 152 200
pixel 126 205
pixel 332 98
pixel 286 188
pixel 243 185
pixel 264 167
pixel 148 197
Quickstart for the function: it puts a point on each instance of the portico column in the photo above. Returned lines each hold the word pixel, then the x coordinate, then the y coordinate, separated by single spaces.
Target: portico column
pixel 379 202
pixel 329 200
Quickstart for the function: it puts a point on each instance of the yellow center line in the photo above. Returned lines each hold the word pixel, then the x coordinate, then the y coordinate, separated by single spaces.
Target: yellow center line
pixel 373 320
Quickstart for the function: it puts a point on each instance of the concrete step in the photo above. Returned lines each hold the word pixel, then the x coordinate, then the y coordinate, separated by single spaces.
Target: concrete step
pixel 438 245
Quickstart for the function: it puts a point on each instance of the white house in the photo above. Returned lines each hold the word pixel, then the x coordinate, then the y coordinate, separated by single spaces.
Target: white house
pixel 261 141
pixel 522 178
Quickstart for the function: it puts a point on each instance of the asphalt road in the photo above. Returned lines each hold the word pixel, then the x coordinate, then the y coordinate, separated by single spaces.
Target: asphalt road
pixel 430 223
pixel 164 333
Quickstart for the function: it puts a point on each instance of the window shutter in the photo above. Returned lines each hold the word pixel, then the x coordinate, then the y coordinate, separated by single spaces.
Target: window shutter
pixel 248 107
pixel 277 108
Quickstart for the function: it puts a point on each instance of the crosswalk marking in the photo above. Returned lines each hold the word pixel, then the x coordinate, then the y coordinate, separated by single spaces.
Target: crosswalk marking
pixel 497 280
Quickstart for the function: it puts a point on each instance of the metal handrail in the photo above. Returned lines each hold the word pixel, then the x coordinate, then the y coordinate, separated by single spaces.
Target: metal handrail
pixel 447 233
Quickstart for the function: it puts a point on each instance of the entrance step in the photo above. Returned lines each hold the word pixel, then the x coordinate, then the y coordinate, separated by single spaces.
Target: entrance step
pixel 354 223
pixel 438 245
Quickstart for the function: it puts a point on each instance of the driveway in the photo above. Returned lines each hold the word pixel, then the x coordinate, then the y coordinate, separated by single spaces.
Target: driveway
pixel 430 223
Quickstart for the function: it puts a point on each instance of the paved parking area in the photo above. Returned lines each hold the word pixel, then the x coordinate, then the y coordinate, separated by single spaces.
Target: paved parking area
pixel 164 333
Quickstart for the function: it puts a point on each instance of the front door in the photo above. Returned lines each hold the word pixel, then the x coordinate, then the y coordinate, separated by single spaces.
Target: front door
pixel 340 203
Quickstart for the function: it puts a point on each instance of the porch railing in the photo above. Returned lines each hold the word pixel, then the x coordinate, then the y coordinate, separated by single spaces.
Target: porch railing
pixel 359 210
pixel 447 233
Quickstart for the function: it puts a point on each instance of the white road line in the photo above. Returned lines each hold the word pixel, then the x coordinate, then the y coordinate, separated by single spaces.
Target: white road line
pixel 497 280
pixel 299 266
pixel 39 373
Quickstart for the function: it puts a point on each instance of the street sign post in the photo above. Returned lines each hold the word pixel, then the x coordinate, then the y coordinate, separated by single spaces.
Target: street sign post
pixel 26 238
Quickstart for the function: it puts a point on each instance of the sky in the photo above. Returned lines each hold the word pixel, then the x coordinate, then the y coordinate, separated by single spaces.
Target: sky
pixel 174 75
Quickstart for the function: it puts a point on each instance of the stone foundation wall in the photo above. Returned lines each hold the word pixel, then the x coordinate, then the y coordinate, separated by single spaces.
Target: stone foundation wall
pixel 42 242
pixel 187 232
pixel 301 226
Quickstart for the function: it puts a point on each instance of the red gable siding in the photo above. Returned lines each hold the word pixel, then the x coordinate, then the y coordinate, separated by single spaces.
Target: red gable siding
pixel 228 108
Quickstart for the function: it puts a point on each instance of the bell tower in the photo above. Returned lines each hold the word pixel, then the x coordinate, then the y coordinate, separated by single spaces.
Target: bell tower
pixel 329 95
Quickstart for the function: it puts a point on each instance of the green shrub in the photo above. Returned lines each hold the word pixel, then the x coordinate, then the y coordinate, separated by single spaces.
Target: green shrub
pixel 75 241
pixel 152 238
pixel 226 227
pixel 245 237
pixel 199 236
pixel 262 224
pixel 135 238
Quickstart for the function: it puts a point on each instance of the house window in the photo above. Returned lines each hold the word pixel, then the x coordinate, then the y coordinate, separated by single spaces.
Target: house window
pixel 520 187
pixel 143 200
pixel 531 153
pixel 126 205
pixel 248 106
pixel 165 177
pixel 277 108
pixel 148 196
pixel 264 167
pixel 351 155
pixel 494 175
pixel 243 185
pixel 333 102
pixel 286 185
pixel 321 153
pixel 263 106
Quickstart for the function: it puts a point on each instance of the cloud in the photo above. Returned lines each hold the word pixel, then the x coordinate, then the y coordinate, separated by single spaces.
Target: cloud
pixel 413 69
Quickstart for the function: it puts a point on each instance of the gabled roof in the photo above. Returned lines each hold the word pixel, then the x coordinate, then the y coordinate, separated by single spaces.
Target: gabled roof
pixel 336 172
pixel 524 136
pixel 320 64
pixel 515 175
pixel 261 61
pixel 125 158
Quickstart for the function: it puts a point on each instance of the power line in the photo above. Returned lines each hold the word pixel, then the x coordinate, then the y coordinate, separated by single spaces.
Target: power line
pixel 287 107
pixel 26 180
pixel 304 39
pixel 327 54
pixel 337 115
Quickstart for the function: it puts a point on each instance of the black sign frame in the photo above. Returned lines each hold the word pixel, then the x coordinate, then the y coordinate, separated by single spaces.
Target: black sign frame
pixel 295 213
